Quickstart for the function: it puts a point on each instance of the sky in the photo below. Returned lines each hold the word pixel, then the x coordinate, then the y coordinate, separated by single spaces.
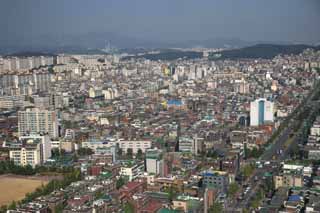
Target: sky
pixel 163 20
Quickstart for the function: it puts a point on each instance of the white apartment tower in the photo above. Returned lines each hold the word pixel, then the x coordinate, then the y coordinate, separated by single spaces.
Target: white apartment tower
pixel 35 121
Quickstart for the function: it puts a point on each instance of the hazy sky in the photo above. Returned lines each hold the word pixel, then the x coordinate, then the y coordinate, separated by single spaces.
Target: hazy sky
pixel 167 20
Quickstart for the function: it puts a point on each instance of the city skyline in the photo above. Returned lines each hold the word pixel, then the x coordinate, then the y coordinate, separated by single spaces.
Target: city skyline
pixel 170 106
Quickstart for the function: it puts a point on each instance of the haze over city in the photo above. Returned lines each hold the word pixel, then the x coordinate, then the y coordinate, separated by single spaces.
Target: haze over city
pixel 157 23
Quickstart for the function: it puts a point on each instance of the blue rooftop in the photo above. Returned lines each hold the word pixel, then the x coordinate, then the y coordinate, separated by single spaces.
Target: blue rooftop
pixel 294 198
pixel 175 102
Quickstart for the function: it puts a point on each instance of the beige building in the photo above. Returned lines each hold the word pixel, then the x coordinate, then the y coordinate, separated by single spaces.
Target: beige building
pixel 31 150
pixel 288 181
pixel 27 155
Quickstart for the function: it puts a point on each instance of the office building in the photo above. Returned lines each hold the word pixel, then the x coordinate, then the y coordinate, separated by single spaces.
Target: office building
pixel 261 111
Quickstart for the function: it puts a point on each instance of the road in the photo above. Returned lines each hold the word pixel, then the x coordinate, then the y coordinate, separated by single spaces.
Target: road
pixel 284 141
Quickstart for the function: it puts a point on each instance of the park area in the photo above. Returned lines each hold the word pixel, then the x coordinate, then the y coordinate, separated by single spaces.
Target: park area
pixel 14 187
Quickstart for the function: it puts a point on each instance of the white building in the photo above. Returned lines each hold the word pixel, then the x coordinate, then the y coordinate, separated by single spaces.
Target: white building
pixel 122 144
pixel 95 144
pixel 9 102
pixel 35 121
pixel 261 111
pixel 154 162
pixel 33 150
pixel 132 171
pixel 134 145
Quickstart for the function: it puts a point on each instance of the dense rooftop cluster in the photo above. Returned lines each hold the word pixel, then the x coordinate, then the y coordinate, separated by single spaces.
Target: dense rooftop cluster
pixel 165 136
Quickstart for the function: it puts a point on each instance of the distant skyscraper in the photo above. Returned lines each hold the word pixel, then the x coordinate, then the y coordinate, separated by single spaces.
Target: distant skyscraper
pixel 261 111
pixel 35 121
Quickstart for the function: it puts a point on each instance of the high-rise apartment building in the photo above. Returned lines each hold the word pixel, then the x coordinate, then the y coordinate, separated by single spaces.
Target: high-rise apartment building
pixel 261 111
pixel 35 121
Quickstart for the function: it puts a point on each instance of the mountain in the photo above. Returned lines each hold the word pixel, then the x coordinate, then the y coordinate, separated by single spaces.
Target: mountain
pixel 265 51
pixel 98 40
pixel 93 41
pixel 168 55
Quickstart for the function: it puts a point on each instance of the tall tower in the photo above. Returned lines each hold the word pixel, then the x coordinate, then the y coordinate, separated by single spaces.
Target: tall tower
pixel 261 111
pixel 261 105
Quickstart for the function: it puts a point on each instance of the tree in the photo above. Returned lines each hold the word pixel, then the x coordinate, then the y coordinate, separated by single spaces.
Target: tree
pixel 12 205
pixel 120 182
pixel 139 154
pixel 216 208
pixel 119 152
pixel 128 208
pixel 171 193
pixel 247 170
pixel 233 188
pixel 85 151
pixel 212 154
pixel 129 153
pixel 59 208
pixel 253 153
pixel 55 152
pixel 3 208
pixel 256 201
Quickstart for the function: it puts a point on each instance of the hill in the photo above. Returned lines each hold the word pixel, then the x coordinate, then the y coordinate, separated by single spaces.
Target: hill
pixel 168 55
pixel 265 51
pixel 29 54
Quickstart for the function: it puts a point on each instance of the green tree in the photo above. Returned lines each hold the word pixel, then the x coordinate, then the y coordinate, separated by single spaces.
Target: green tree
pixel 254 152
pixel 120 182
pixel 256 201
pixel 119 152
pixel 128 208
pixel 129 153
pixel 12 205
pixel 3 208
pixel 216 208
pixel 172 193
pixel 233 188
pixel 85 151
pixel 59 208
pixel 247 170
pixel 139 154
pixel 55 152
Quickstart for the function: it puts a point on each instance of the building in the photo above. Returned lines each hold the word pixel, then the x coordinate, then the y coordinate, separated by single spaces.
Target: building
pixel 186 144
pixel 216 179
pixel 35 121
pixel 31 150
pixel 209 198
pixel 187 204
pixel 9 102
pixel 197 145
pixel 127 191
pixel 132 170
pixel 261 111
pixel 288 181
pixel 154 162
pixel 134 145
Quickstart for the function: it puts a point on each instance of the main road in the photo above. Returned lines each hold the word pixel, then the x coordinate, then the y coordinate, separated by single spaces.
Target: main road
pixel 278 150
